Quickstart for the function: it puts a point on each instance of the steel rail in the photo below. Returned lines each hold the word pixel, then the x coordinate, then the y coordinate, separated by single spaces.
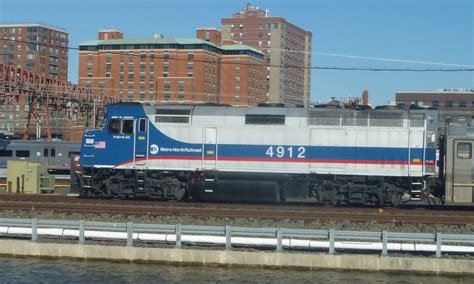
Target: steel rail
pixel 348 214
pixel 295 206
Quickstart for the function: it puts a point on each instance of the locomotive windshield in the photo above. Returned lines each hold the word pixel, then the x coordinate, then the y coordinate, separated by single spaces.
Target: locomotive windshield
pixel 120 126
pixel 114 126
pixel 127 126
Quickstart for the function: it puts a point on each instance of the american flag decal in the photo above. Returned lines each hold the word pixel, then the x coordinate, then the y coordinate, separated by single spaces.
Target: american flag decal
pixel 99 145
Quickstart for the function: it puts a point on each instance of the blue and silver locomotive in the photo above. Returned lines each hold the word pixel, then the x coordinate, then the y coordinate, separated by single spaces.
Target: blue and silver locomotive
pixel 209 152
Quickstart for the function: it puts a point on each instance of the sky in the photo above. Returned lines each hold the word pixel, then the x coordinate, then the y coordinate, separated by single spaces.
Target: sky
pixel 406 34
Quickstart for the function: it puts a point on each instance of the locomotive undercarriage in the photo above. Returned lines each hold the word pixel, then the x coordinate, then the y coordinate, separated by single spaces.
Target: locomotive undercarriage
pixel 371 191
pixel 180 185
pixel 112 183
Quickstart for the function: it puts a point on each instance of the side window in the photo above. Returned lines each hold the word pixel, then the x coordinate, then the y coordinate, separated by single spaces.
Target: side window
pixel 23 153
pixel 6 153
pixel 114 126
pixel 127 126
pixel 45 152
pixel 265 119
pixel 53 152
pixel 142 125
pixel 464 151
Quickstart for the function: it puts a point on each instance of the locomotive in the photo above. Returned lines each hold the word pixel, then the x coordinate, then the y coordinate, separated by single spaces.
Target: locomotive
pixel 214 152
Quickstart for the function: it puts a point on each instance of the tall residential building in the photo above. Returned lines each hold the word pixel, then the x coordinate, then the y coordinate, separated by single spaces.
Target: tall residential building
pixel 173 70
pixel 287 50
pixel 35 47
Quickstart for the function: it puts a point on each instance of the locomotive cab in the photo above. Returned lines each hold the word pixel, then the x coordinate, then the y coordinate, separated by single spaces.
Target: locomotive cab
pixel 123 137
pixel 109 146
pixel 114 160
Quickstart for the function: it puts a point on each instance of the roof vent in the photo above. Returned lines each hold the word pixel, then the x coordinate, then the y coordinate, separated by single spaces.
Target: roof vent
pixel 271 105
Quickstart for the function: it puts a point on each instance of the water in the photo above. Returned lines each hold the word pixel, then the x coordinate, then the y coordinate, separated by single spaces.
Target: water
pixel 34 270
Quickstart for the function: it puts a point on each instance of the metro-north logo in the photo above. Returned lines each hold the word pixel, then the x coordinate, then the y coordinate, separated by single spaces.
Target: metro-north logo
pixel 154 149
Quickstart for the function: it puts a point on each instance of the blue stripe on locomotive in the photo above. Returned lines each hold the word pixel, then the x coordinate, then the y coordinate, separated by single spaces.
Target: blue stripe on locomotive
pixel 319 152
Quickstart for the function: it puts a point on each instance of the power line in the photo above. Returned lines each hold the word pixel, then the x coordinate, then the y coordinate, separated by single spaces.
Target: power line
pixel 393 60
pixel 316 67
pixel 302 51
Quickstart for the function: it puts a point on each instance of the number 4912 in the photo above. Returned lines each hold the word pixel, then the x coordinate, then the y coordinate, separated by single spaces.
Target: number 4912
pixel 285 152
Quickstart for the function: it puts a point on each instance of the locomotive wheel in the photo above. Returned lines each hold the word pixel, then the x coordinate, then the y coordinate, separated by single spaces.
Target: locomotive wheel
pixel 380 199
pixel 179 193
pixel 396 199
pixel 102 192
pixel 85 194
pixel 435 201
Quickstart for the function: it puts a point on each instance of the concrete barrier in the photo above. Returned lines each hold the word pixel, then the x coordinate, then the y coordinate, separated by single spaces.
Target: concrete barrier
pixel 239 258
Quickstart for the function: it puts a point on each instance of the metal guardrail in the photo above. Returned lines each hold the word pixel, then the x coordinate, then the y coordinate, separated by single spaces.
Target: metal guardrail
pixel 278 234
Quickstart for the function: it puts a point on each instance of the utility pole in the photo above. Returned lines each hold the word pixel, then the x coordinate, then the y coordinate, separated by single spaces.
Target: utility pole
pixel 94 114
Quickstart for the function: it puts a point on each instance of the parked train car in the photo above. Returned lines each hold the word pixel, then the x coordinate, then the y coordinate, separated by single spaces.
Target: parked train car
pixel 56 154
pixel 334 156
pixel 456 178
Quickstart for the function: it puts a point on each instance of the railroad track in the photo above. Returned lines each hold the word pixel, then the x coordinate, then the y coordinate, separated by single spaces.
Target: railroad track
pixel 55 203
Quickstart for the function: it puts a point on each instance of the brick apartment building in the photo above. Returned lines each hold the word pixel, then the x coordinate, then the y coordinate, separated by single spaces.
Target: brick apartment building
pixel 35 47
pixel 196 70
pixel 283 44
pixel 454 105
